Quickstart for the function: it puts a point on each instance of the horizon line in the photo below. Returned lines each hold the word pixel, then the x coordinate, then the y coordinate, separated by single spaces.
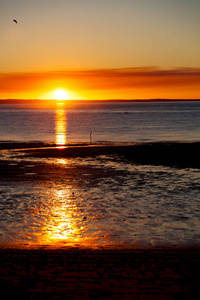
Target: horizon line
pixel 102 100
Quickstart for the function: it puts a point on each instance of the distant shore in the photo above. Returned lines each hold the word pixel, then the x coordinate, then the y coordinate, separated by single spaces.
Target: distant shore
pixel 53 103
pixel 33 101
pixel 176 154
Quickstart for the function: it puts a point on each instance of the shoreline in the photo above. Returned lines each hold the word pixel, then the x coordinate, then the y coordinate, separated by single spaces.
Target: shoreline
pixel 177 154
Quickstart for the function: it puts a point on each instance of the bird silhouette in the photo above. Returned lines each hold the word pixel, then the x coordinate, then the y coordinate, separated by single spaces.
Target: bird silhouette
pixel 15 21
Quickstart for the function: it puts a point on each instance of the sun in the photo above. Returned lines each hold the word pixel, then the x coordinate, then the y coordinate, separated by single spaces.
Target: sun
pixel 61 95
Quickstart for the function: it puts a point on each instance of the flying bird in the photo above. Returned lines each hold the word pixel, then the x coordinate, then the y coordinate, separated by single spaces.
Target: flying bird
pixel 15 21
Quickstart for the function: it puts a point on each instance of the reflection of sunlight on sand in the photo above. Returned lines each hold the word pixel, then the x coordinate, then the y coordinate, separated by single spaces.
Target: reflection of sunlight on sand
pixel 62 161
pixel 65 225
pixel 62 224
pixel 60 127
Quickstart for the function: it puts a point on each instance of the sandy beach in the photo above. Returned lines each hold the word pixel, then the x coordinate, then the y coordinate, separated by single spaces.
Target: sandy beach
pixel 100 274
pixel 103 273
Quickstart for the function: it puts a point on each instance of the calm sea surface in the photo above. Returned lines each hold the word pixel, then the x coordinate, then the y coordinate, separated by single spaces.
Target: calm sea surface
pixel 103 201
pixel 112 122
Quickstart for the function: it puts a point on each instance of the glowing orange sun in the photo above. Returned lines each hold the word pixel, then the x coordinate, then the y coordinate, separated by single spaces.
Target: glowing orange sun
pixel 61 95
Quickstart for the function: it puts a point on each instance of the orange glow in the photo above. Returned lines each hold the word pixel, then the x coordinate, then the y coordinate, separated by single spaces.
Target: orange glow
pixel 64 227
pixel 61 225
pixel 61 127
pixel 133 83
pixel 61 95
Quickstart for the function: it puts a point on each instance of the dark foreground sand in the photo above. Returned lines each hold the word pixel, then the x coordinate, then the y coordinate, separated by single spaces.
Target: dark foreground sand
pixel 100 274
pixel 183 154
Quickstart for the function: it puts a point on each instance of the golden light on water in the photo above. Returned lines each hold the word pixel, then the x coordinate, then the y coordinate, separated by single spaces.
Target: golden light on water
pixel 66 225
pixel 61 224
pixel 61 127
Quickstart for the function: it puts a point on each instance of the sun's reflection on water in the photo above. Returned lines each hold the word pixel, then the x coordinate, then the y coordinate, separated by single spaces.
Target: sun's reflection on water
pixel 61 127
pixel 66 224
pixel 61 226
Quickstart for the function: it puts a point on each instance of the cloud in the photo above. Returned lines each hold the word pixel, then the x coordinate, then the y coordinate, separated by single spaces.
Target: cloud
pixel 103 79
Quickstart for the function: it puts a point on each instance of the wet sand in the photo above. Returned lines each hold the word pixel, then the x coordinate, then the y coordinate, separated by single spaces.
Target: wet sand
pixel 100 274
pixel 81 273
pixel 184 155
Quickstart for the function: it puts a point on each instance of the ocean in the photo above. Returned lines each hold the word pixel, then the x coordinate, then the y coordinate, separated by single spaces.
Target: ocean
pixel 102 201
pixel 110 122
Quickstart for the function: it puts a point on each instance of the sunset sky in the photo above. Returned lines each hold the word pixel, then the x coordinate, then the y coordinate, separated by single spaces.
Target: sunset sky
pixel 100 49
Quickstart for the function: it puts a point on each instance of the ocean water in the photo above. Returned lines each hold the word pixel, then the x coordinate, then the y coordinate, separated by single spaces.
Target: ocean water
pixel 105 201
pixel 110 122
